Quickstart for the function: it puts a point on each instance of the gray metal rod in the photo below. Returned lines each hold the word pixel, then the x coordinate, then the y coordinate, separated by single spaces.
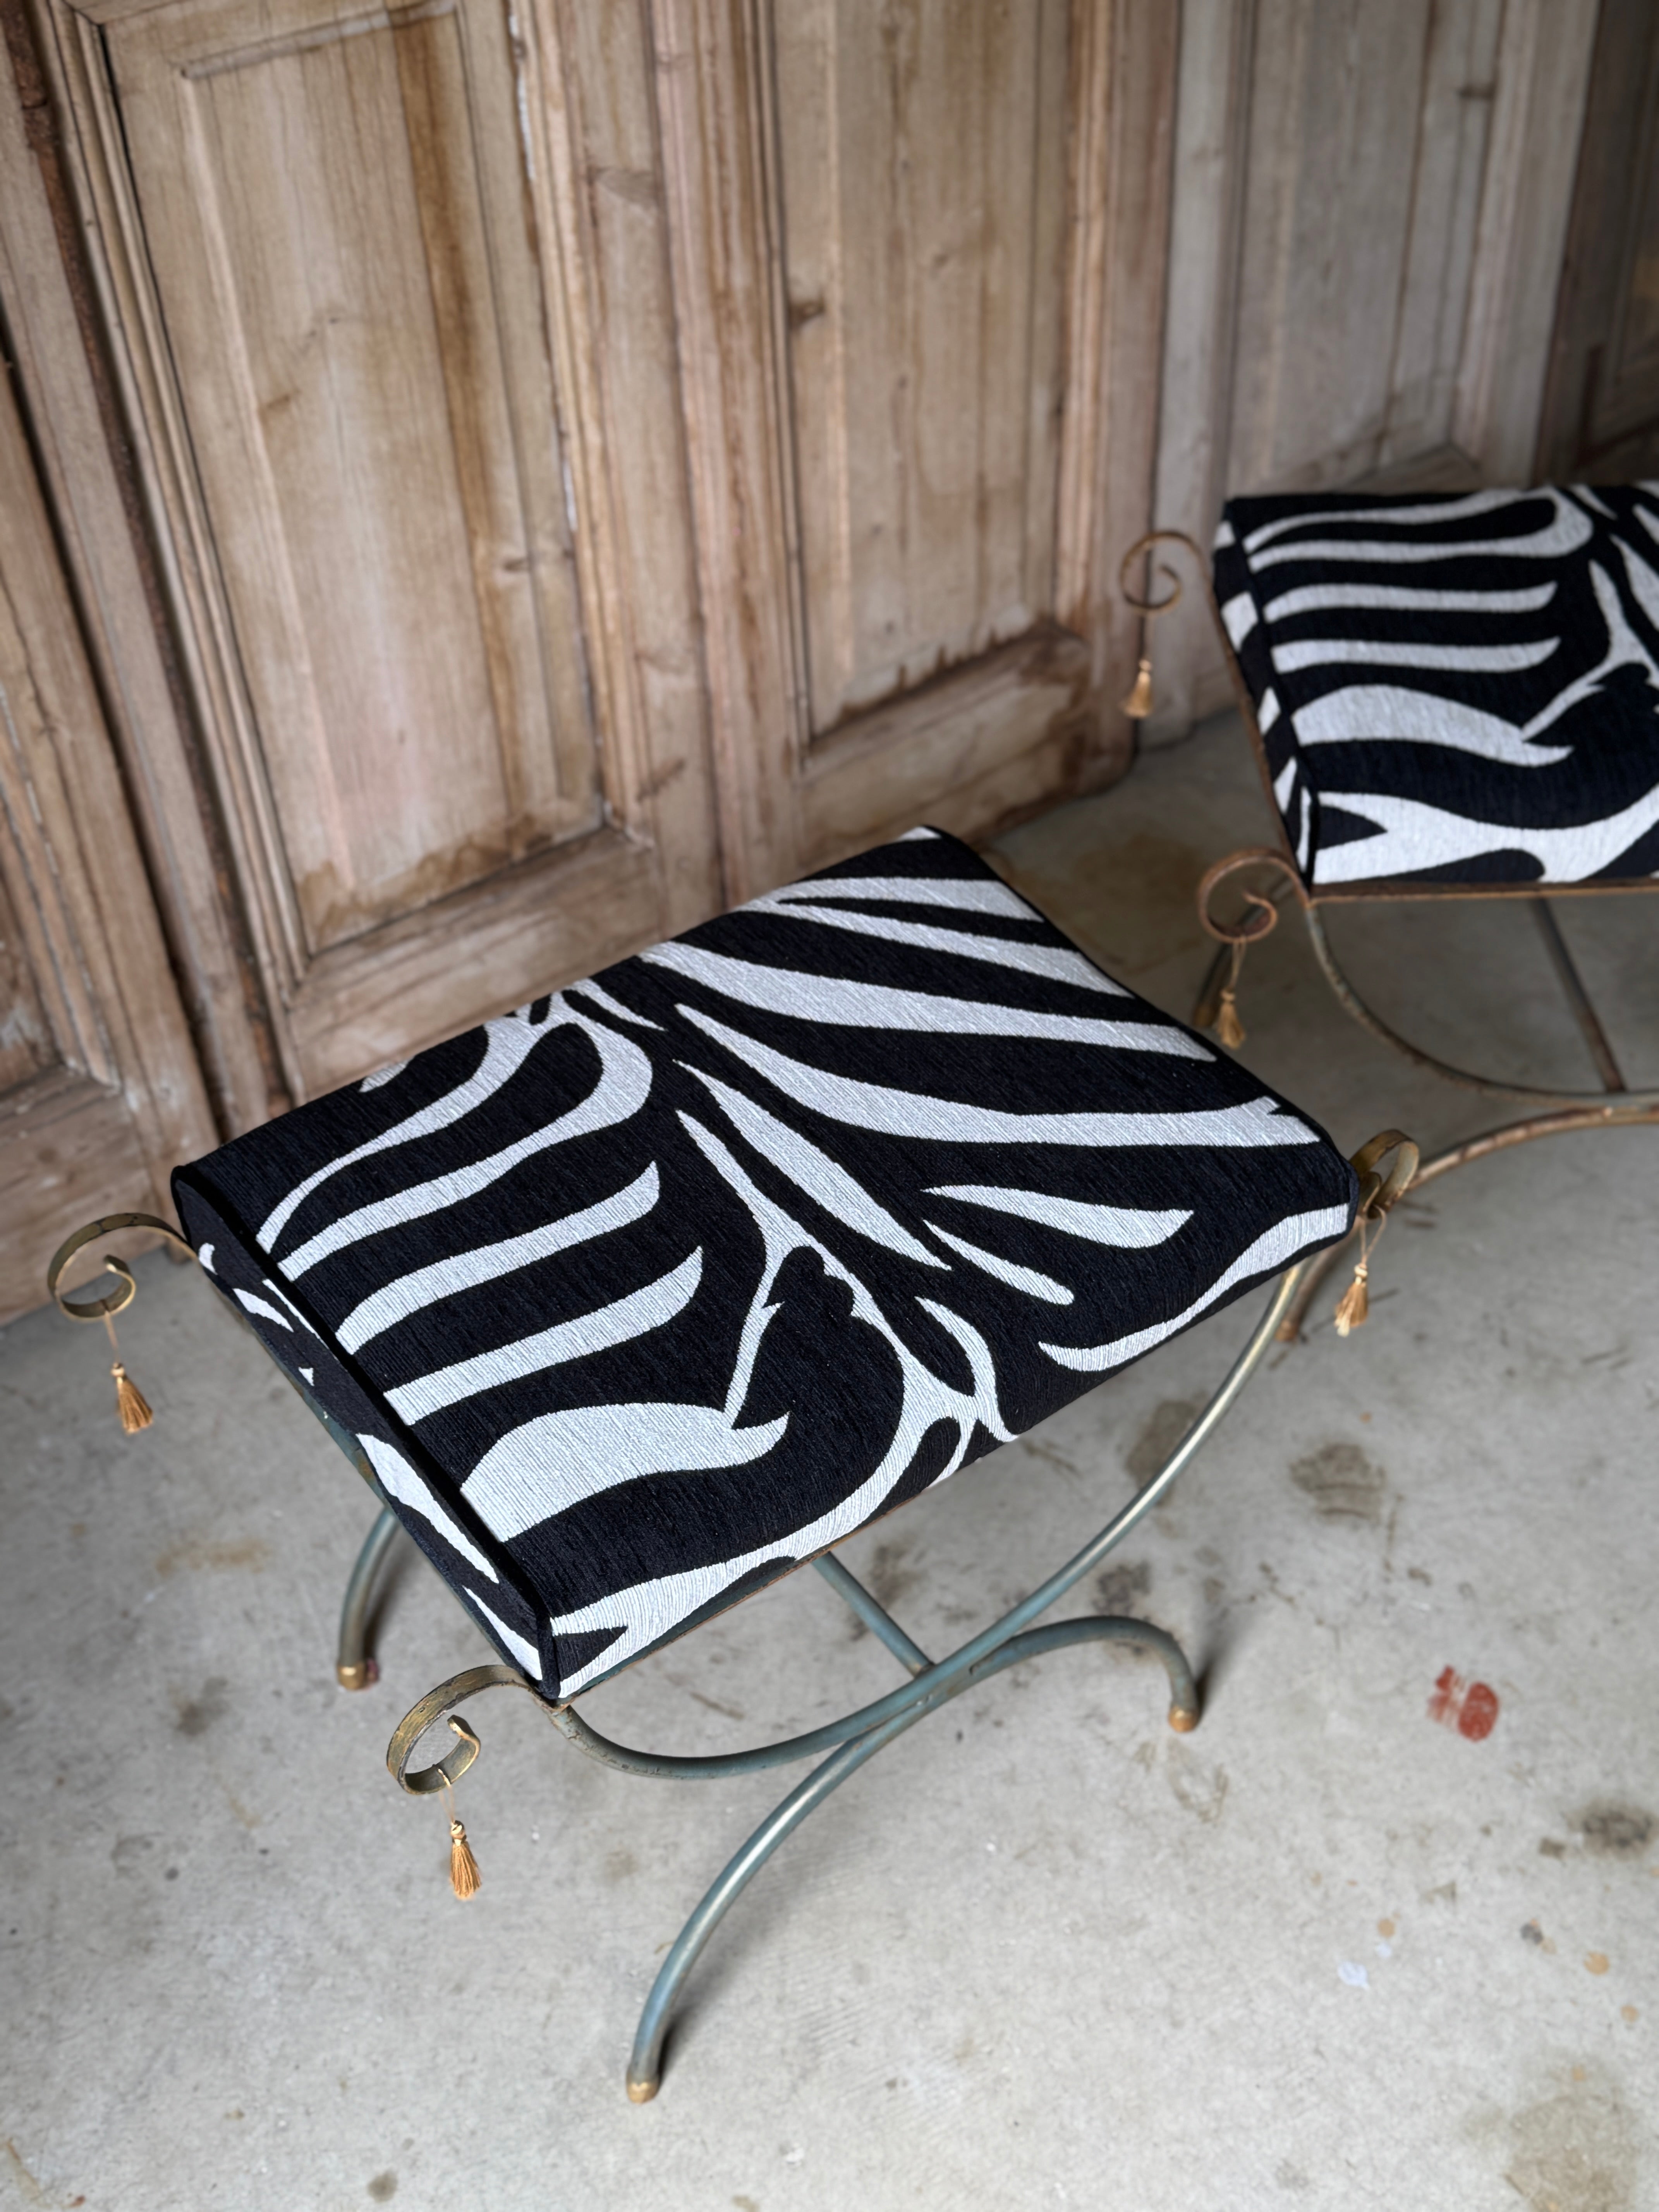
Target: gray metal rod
pixel 875 1616
pixel 353 1668
pixel 645 2064
pixel 1572 988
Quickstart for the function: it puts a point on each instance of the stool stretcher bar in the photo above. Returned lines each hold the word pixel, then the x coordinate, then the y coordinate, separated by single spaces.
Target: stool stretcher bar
pixel 850 1740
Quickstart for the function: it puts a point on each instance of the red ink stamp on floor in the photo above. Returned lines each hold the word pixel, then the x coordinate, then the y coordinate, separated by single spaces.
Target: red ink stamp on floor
pixel 1470 1708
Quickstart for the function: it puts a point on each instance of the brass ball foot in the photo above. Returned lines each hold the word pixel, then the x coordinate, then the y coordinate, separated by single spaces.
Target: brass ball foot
pixel 641 2093
pixel 1184 1719
pixel 356 1675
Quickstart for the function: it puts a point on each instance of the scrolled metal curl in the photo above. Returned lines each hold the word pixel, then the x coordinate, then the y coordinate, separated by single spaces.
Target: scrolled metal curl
pixel 1251 925
pixel 427 1781
pixel 1378 1193
pixel 116 1301
pixel 1145 544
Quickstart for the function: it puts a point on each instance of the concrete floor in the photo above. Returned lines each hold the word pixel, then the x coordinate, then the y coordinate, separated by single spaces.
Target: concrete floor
pixel 1324 1952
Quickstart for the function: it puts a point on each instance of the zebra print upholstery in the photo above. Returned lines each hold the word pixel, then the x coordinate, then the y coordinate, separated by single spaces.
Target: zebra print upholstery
pixel 1456 689
pixel 643 1294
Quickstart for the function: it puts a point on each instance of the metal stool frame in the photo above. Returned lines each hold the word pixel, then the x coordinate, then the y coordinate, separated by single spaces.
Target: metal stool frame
pixel 858 1735
pixel 851 1741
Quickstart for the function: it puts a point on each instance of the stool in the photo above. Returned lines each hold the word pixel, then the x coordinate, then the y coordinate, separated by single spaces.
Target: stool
pixel 633 1301
pixel 1448 696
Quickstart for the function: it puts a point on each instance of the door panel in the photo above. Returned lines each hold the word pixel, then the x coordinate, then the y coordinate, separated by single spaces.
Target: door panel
pixel 26 1047
pixel 922 216
pixel 1601 414
pixel 584 463
pixel 993 740
pixel 1369 213
pixel 601 460
pixel 365 327
pixel 917 260
pixel 1367 142
pixel 99 1093
pixel 358 341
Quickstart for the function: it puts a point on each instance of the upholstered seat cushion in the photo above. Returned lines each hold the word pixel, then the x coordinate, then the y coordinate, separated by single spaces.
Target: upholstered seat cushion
pixel 647 1291
pixel 1457 690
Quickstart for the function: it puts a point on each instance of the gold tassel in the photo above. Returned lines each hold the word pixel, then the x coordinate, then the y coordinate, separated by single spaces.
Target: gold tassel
pixel 130 1402
pixel 1353 1307
pixel 463 1876
pixel 1228 1029
pixel 1139 704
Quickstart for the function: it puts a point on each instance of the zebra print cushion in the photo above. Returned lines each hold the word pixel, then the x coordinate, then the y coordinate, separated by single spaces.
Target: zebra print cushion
pixel 1455 690
pixel 644 1293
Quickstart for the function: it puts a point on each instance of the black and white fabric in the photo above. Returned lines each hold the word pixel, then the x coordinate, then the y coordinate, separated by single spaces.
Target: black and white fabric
pixel 1457 690
pixel 644 1293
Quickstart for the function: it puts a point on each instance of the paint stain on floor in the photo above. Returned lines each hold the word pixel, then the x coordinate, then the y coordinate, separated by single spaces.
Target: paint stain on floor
pixel 1613 1830
pixel 1160 1432
pixel 1116 1589
pixel 1470 1708
pixel 1342 1482
pixel 1575 2151
pixel 197 1714
pixel 197 1554
pixel 1202 1789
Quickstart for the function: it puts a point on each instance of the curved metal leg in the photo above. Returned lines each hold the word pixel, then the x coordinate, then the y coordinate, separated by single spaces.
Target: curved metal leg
pixel 954 1669
pixel 1207 1005
pixel 645 2064
pixel 1005 1644
pixel 858 1735
pixel 1596 1041
pixel 1353 1004
pixel 353 1668
pixel 678 1767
